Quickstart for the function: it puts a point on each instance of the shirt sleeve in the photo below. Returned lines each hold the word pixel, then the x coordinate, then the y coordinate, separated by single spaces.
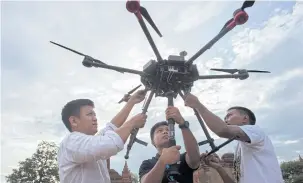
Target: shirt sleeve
pixel 144 168
pixel 108 127
pixel 183 165
pixel 255 134
pixel 84 148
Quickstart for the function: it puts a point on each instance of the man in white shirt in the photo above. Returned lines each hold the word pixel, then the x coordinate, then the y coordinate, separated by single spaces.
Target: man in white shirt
pixel 255 158
pixel 83 154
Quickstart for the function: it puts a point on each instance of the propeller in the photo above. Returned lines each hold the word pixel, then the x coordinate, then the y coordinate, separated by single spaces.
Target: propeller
pixel 232 71
pixel 146 15
pixel 247 4
pixel 126 96
pixel 240 12
pixel 134 6
pixel 86 57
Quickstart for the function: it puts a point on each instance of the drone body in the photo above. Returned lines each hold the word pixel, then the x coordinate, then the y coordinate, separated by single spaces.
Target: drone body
pixel 171 75
pixel 175 75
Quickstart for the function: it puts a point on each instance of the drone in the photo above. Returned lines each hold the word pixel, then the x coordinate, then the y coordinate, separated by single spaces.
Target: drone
pixel 175 75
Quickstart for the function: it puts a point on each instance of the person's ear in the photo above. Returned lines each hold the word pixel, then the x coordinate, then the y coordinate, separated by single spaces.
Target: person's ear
pixel 245 119
pixel 73 121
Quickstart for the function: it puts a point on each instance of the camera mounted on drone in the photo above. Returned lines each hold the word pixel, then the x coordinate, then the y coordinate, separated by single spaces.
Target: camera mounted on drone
pixel 175 75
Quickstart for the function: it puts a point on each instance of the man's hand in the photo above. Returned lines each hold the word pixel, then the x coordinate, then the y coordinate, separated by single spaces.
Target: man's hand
pixel 174 113
pixel 137 97
pixel 138 121
pixel 211 160
pixel 191 101
pixel 170 155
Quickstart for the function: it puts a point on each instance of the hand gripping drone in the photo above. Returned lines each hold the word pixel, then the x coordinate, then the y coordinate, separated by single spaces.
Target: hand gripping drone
pixel 173 76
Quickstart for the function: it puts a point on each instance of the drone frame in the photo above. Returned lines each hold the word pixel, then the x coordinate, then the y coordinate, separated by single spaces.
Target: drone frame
pixel 240 17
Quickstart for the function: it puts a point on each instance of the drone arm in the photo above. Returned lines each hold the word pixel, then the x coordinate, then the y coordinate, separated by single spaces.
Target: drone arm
pixel 148 36
pixel 211 42
pixel 89 63
pixel 225 76
pixel 135 131
pixel 209 139
pixel 240 17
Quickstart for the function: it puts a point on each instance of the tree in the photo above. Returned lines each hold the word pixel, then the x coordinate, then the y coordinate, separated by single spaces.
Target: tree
pixel 42 167
pixel 292 171
pixel 298 178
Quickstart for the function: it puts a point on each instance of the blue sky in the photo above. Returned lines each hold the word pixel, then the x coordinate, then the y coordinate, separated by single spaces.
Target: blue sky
pixel 38 78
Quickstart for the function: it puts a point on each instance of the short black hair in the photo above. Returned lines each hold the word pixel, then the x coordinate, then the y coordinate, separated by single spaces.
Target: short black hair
pixel 251 115
pixel 72 108
pixel 157 125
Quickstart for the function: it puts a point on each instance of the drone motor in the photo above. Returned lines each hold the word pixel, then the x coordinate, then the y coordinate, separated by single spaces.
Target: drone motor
pixel 133 6
pixel 240 17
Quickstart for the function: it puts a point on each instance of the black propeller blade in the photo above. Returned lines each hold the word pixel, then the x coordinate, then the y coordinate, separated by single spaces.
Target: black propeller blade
pixel 146 15
pixel 86 56
pixel 126 96
pixel 258 71
pixel 68 49
pixel 232 71
pixel 247 4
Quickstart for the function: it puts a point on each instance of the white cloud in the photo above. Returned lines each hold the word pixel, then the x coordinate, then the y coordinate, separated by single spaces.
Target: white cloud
pixel 252 44
pixel 291 142
pixel 196 14
pixel 34 93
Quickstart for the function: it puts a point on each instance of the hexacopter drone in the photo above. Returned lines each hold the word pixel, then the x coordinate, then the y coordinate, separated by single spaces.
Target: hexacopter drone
pixel 169 77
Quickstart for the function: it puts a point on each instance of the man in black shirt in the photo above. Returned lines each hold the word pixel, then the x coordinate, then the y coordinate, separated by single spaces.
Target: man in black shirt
pixel 154 170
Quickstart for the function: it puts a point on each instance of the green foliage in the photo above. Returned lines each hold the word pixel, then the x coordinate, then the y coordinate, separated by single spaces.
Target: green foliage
pixel 298 178
pixel 42 167
pixel 292 171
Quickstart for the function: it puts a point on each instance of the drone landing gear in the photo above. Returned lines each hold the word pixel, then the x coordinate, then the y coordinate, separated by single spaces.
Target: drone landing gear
pixel 172 171
pixel 135 131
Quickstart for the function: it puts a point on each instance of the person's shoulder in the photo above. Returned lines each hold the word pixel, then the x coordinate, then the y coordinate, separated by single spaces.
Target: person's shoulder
pixel 72 136
pixel 148 161
pixel 146 166
pixel 256 135
pixel 252 129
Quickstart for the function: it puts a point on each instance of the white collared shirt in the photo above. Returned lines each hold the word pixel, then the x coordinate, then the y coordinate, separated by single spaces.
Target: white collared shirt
pixel 82 158
pixel 257 161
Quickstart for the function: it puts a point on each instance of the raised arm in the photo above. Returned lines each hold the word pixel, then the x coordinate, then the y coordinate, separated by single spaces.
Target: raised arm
pixel 121 117
pixel 84 148
pixel 215 124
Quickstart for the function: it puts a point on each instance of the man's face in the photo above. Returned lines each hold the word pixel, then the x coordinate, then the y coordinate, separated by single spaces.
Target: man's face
pixel 234 117
pixel 87 121
pixel 161 136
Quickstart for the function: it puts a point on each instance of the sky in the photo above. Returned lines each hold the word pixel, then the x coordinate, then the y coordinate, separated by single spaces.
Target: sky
pixel 38 78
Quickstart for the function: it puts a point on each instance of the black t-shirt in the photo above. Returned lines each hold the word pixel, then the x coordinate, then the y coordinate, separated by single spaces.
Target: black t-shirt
pixel 186 173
